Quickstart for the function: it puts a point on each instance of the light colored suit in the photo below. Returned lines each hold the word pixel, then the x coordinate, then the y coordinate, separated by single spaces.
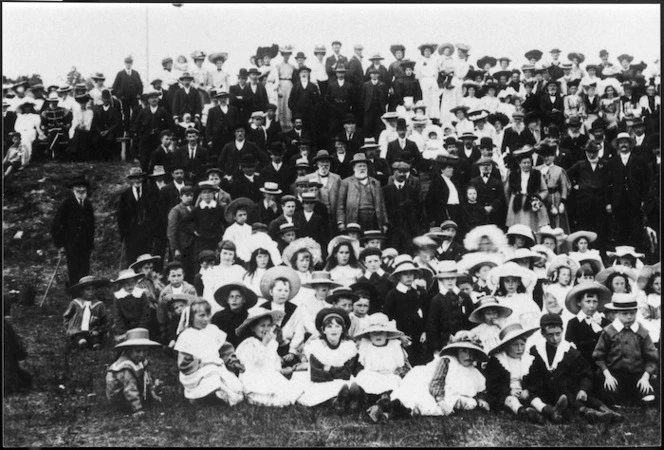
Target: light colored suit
pixel 348 206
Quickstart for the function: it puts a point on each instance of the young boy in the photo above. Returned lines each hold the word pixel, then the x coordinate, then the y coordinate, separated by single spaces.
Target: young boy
pixel 207 218
pixel 239 232
pixel 472 213
pixel 343 297
pixel 371 258
pixel 373 238
pixel 181 237
pixel 560 375
pixel 287 233
pixel 86 319
pixel 288 206
pixel 214 176
pixel 366 295
pixel 176 286
pixel 128 382
pixel 15 154
pixel 627 357
pixel 207 260
pixel 130 306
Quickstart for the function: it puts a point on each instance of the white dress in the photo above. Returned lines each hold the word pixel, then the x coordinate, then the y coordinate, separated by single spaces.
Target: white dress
pixel 217 277
pixel 316 393
pixel 524 310
pixel 304 319
pixel 240 235
pixel 380 365
pixel 262 380
pixel 304 292
pixel 488 334
pixel 427 74
pixel 211 375
pixel 346 275
pixel 28 126
pixel 254 283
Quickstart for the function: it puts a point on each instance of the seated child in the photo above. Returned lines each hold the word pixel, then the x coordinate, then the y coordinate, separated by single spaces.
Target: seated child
pixel 383 362
pixel 207 260
pixel 86 319
pixel 206 359
pixel 128 382
pixel 366 294
pixel 150 284
pixel 15 154
pixel 505 370
pixel 279 285
pixel 449 383
pixel 176 285
pixel 626 356
pixel 175 304
pixel 489 314
pixel 240 231
pixel 343 298
pixel 236 299
pixel 130 306
pixel 650 308
pixel 560 376
pixel 265 381
pixel 332 362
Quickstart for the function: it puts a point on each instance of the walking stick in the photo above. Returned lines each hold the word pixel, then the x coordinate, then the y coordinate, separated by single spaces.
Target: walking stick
pixel 121 255
pixel 57 266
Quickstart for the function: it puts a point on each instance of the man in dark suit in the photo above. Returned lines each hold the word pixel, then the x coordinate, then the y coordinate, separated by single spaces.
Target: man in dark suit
pixel 449 248
pixel 402 145
pixel 563 157
pixel 629 180
pixel 292 137
pixel 171 192
pixel 255 96
pixel 268 208
pixel 403 209
pixel 335 60
pixel 150 123
pixel 574 140
pixel 137 215
pixel 128 87
pixel 221 120
pixel 378 167
pixel 382 70
pixel 304 97
pixel 249 183
pixel 598 133
pixel 162 155
pixel 277 171
pixel 73 230
pixel 181 237
pixel 311 224
pixel 256 132
pixel 515 134
pixel 443 201
pixel 238 95
pixel 192 157
pixel 490 192
pixel 271 124
pixel 107 127
pixel 229 159
pixel 353 137
pixel 187 100
pixel 341 158
pixel 552 106
pixel 164 100
pixel 341 97
pixel 355 73
pixel 373 100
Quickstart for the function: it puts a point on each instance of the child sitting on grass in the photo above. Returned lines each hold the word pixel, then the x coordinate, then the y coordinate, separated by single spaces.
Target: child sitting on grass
pixel 86 319
pixel 343 298
pixel 205 359
pixel 489 314
pixel 264 379
pixel 175 304
pixel 130 306
pixel 128 382
pixel 237 300
pixel 15 154
pixel 176 286
pixel 150 284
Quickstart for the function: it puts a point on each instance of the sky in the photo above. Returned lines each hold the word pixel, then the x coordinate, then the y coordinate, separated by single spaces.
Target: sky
pixel 49 38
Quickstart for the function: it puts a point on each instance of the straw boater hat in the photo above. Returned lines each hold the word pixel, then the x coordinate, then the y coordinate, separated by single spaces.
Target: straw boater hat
pixel 522 230
pixel 185 76
pixel 589 235
pixel 238 203
pixel 485 303
pixel 402 264
pixel 202 185
pixel 186 298
pixel 472 240
pixel 221 295
pixel 424 242
pixel 270 187
pixel 332 312
pixel 138 337
pixel 280 272
pixel 379 323
pixel 354 244
pixel 622 302
pixel 372 234
pixel 563 261
pixel 510 269
pixel 622 136
pixel 257 314
pixel 524 253
pixel 321 277
pixel 158 171
pixel 446 269
pixel 305 243
pixel 142 259
pixel 286 227
pixel 87 281
pixel 464 339
pixel 603 276
pixel 510 333
pixel 557 233
pixel 472 262
pixel 576 294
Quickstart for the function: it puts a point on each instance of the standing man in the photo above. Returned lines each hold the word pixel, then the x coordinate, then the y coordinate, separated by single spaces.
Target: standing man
pixel 303 99
pixel 490 192
pixel 355 76
pixel 374 101
pixel 73 229
pixel 187 99
pixel 403 209
pixel 107 127
pixel 330 183
pixel 382 71
pixel 334 61
pixel 340 97
pixel 128 87
pixel 229 159
pixel 255 96
pixel 150 123
pixel 222 119
pixel 318 72
pixel 192 157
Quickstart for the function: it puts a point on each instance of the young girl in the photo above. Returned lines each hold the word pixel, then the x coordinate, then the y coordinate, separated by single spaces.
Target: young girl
pixel 472 213
pixel 128 382
pixel 224 273
pixel 265 381
pixel 207 260
pixel 236 300
pixel 86 319
pixel 561 272
pixel 585 273
pixel 342 262
pixel 303 255
pixel 579 242
pixel 240 231
pixel 332 362
pixel 490 315
pixel 625 255
pixel 343 298
pixel 526 190
pixel 205 358
pixel 175 305
pixel 650 308
pixel 130 306
pixel 279 285
pixel 508 363
pixel 451 382
pixel 551 238
pixel 618 279
pixel 259 262
pixel 510 282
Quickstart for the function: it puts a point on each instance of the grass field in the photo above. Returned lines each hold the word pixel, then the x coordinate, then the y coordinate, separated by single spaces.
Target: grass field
pixel 67 406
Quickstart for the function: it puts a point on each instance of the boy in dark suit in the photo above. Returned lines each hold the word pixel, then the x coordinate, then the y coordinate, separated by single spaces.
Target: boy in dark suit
pixel 402 145
pixel 150 122
pixel 207 219
pixel 191 157
pixel 490 192
pixel 403 209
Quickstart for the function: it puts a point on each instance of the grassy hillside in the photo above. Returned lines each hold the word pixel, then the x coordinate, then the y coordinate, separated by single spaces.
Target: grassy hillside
pixel 67 406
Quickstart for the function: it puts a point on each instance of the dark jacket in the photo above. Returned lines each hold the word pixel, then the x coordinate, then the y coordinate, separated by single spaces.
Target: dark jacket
pixel 436 199
pixel 219 126
pixel 229 159
pixel 184 102
pixel 447 314
pixel 491 194
pixel 194 169
pixel 369 91
pixel 110 121
pixel 628 185
pixel 126 86
pixel 148 124
pixel 303 100
pixel 74 225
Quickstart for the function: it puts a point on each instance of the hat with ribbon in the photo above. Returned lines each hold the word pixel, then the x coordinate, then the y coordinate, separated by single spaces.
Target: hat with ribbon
pixel 138 337
pixel 576 294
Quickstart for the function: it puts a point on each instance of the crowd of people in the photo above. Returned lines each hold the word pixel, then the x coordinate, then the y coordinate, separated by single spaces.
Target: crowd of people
pixel 411 240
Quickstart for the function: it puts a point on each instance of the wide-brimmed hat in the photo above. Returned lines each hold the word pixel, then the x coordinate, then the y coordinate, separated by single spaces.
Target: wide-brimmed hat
pixel 187 298
pixel 402 264
pixel 563 261
pixel 335 241
pixel 332 312
pixel 185 76
pixel 396 47
pixel 485 303
pixel 589 235
pixel 257 314
pixel 604 275
pixel 89 280
pixel 522 230
pixel 127 274
pixel 524 152
pixel 510 269
pixel 591 258
pixel 478 114
pixel 198 54
pixel 430 46
pixel 379 323
pixel 372 234
pixel 534 54
pixel 321 277
pixel 319 49
pixel 573 296
pixel 622 136
pixel 280 272
pixel 341 291
pixel 322 155
pixel 472 240
pixel 625 250
pixel 510 333
pixel 546 252
pixel 524 253
pixel 305 243
pixel 142 259
pixel 138 337
pixel 487 60
pixel 557 233
pixel 472 262
pixel 466 340
pixel 463 47
pixel 445 45
pixel 270 187
pixel 446 269
pixel 576 55
pixel 622 302
pixel 214 57
pixel 241 202
pixel 136 172
pixel 375 56
pixel 629 58
pixel 221 295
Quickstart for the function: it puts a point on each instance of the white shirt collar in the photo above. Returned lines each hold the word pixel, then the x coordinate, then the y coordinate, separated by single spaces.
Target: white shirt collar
pixel 250 178
pixel 380 272
pixel 402 287
pixel 618 325
pixel 399 185
pixel 277 307
pixel 210 204
pixel 307 215
pixel 624 157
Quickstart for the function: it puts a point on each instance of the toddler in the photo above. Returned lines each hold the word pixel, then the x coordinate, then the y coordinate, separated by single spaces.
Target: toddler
pixel 86 319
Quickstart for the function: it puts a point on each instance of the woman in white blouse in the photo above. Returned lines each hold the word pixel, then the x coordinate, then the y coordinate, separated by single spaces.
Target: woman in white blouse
pixel 427 74
pixel 28 125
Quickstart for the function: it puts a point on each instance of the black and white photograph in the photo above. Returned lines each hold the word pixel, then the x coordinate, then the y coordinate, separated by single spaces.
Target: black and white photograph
pixel 343 225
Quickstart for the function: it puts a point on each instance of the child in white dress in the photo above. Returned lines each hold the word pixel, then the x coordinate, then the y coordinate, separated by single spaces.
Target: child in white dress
pixel 264 379
pixel 490 315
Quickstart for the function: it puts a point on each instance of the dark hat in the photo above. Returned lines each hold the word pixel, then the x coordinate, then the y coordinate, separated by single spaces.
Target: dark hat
pixel 534 54
pixel 165 133
pixel 502 118
pixel 532 117
pixel 257 227
pixel 629 58
pixel 597 125
pixel 300 55
pixel 486 60
pixel 342 291
pixel 221 295
pixel 304 69
pixel 271 106
pixel 406 63
pixel 546 148
pixel 487 142
pixel 243 73
pixel 575 55
pixel 396 47
pixel 206 255
pixel 573 83
pixel 336 43
pixel 322 155
pixel 240 125
pixel 253 71
pixel 364 287
pixel 340 68
pixel 78 181
pixel 574 121
pixel 277 148
pixel 401 124
pixel 372 70
pixel 339 137
pixel 348 118
pixel 502 73
pixel 444 161
pixel 156 80
pixel 332 312
pixel 551 320
pixel 450 141
pixel 603 53
pixel 191 130
pixel 239 203
pixel 553 131
pixel 370 251
pixel 166 60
